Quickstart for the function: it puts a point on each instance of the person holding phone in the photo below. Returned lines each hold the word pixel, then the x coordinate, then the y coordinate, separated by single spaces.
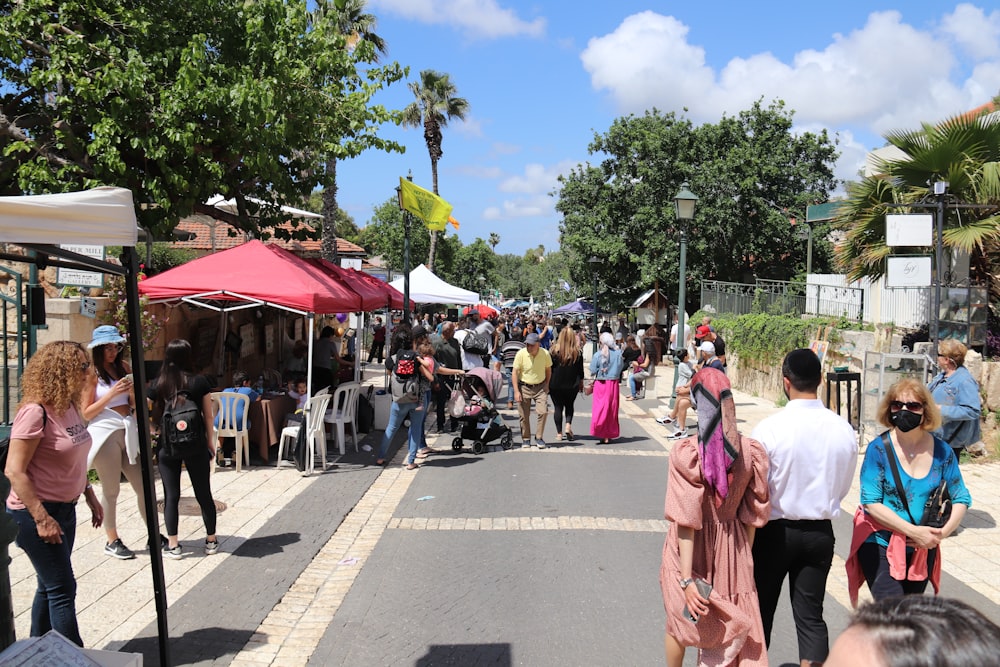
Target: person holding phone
pixel 717 496
pixel 108 404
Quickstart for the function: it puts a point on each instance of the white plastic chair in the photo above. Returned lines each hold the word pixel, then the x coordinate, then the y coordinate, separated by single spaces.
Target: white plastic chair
pixel 315 433
pixel 343 412
pixel 227 407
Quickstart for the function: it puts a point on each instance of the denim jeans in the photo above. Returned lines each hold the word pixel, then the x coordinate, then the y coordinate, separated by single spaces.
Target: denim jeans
pixel 510 385
pixel 633 387
pixel 54 606
pixel 397 413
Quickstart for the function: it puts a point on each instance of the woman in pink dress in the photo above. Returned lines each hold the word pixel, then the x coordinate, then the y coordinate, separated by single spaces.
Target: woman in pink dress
pixel 717 496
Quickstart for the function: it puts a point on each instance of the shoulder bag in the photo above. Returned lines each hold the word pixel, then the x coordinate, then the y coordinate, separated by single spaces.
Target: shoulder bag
pixel 937 509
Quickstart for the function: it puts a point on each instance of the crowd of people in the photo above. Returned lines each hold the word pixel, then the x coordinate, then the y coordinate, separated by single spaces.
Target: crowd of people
pixel 746 513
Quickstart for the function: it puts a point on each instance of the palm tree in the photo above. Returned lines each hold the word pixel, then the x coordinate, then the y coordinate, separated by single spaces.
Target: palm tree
pixel 358 27
pixel 435 104
pixel 965 152
pixel 494 240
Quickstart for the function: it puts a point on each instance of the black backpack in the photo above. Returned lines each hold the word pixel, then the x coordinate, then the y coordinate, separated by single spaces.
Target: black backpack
pixel 476 343
pixel 182 427
pixel 405 382
pixel 366 411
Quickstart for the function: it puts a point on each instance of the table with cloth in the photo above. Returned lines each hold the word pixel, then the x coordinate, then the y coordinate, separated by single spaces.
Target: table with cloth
pixel 267 418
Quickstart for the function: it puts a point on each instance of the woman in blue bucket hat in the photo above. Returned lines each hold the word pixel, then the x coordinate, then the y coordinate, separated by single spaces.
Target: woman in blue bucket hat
pixel 108 405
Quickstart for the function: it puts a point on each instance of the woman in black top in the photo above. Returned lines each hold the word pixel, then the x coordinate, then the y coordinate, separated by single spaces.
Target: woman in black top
pixel 175 376
pixel 567 378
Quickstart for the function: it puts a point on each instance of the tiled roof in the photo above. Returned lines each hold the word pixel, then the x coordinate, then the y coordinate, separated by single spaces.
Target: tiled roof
pixel 226 236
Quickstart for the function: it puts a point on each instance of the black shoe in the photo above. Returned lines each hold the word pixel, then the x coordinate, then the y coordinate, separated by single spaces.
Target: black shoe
pixel 118 550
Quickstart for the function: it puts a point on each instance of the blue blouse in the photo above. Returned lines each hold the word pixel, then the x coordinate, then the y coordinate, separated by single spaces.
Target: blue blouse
pixel 879 486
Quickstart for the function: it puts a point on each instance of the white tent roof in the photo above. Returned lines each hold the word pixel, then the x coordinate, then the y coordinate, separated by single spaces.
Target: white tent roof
pixel 102 216
pixel 425 287
pixel 229 206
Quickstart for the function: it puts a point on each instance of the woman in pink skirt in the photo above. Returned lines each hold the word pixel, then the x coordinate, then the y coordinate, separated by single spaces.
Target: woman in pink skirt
pixel 606 371
pixel 717 496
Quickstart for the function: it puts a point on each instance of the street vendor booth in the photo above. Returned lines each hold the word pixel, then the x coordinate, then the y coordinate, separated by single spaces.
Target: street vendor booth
pixel 426 287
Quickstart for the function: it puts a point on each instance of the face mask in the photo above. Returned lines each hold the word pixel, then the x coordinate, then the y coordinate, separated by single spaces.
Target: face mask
pixel 905 420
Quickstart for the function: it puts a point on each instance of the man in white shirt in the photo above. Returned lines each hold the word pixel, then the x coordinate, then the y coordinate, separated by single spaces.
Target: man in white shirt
pixel 675 344
pixel 813 453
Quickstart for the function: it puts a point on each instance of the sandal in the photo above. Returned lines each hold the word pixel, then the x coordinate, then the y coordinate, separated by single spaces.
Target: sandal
pixel 412 466
pixel 569 435
pixel 559 436
pixel 630 398
pixel 380 462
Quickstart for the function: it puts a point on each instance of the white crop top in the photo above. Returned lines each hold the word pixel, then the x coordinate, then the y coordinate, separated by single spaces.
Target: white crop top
pixel 103 388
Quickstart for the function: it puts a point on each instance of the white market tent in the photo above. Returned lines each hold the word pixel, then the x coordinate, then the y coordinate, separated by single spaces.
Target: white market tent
pixel 425 287
pixel 101 216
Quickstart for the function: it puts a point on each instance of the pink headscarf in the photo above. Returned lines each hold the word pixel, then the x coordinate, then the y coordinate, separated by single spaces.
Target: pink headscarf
pixel 718 437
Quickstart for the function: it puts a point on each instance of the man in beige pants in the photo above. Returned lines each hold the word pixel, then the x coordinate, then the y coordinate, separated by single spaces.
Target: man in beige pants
pixel 530 376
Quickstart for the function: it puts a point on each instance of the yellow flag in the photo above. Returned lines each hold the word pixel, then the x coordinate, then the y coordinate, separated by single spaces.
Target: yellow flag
pixel 453 222
pixel 426 205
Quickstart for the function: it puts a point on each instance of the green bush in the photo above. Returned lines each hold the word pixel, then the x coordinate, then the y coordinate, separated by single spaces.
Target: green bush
pixel 763 339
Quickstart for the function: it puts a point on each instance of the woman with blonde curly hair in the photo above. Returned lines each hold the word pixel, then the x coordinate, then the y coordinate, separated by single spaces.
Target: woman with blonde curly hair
pixel 567 379
pixel 47 469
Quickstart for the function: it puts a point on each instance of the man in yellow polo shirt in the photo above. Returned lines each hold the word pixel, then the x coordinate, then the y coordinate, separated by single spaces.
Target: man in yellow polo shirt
pixel 530 376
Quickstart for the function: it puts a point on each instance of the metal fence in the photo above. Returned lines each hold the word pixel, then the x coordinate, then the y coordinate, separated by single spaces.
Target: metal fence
pixel 780 297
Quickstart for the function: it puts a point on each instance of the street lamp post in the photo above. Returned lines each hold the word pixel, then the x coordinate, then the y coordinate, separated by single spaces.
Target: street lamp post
pixel 684 203
pixel 594 262
pixel 407 221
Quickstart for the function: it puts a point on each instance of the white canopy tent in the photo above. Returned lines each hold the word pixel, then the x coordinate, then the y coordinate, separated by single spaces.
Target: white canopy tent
pixel 102 216
pixel 229 206
pixel 425 287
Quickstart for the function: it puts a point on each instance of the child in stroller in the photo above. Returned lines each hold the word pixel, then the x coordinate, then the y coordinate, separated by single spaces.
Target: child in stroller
pixel 481 422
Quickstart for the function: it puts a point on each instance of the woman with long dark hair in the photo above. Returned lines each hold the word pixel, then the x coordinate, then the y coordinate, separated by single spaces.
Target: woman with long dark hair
pixel 567 378
pixel 175 382
pixel 107 403
pixel 47 469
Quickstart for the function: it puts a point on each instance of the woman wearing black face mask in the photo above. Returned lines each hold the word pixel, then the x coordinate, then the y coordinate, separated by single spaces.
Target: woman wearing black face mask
pixel 891 550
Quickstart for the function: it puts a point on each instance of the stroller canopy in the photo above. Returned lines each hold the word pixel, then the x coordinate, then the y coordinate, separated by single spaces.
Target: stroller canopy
pixel 492 379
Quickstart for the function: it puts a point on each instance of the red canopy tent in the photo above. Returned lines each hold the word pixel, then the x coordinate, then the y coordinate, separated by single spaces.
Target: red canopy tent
pixel 374 293
pixel 484 309
pixel 254 273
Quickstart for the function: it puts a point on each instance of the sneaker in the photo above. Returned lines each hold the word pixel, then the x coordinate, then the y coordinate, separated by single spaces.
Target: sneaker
pixel 525 444
pixel 227 463
pixel 539 443
pixel 118 550
pixel 211 548
pixel 680 434
pixel 665 420
pixel 173 554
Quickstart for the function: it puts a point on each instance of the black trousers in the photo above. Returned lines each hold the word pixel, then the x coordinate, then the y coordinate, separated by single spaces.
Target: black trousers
pixel 875 566
pixel 802 551
pixel 441 397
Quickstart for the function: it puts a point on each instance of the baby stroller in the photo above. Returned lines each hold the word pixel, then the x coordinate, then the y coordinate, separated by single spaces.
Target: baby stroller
pixel 481 422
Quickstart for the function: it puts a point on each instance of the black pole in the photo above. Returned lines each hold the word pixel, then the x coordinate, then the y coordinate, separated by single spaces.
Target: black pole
pixel 596 332
pixel 130 262
pixel 938 273
pixel 406 265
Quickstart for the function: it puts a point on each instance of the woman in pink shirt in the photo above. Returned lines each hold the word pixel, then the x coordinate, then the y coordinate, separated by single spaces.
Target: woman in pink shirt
pixel 47 469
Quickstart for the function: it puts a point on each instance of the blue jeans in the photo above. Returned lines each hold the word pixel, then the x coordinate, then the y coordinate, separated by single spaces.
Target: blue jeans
pixel 507 374
pixel 54 606
pixel 397 413
pixel 633 390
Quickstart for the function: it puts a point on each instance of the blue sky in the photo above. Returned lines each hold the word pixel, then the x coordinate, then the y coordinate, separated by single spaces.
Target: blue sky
pixel 542 77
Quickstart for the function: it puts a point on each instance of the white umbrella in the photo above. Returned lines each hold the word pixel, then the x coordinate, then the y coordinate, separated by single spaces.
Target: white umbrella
pixel 229 206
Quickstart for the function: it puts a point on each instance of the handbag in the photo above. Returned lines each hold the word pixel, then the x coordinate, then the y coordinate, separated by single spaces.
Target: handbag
pixel 588 387
pixel 455 406
pixel 937 509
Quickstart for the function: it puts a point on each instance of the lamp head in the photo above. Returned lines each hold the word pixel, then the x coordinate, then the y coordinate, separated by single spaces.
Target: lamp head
pixel 684 201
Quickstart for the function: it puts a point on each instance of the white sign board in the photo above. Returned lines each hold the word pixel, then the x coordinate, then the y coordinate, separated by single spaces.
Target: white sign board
pixel 350 263
pixel 77 277
pixel 908 271
pixel 909 230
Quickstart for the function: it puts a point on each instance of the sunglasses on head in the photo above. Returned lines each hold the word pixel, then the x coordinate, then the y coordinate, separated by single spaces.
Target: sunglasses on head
pixel 84 366
pixel 912 406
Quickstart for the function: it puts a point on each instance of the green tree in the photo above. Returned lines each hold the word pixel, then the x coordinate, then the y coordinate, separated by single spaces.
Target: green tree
pixel 750 172
pixel 359 28
pixel 383 236
pixel 494 240
pixel 469 263
pixel 435 105
pixel 965 152
pixel 180 101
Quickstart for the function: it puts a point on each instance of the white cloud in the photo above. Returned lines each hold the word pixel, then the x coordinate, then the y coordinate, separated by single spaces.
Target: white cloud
pixel 470 126
pixel 530 207
pixel 975 32
pixel 476 18
pixel 537 178
pixel 883 76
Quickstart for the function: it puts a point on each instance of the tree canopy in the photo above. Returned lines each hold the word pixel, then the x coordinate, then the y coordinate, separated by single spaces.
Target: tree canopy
pixel 751 172
pixel 181 101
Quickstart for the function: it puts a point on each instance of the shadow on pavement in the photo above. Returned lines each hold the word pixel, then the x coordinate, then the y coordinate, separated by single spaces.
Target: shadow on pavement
pixel 256 547
pixel 466 654
pixel 198 646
